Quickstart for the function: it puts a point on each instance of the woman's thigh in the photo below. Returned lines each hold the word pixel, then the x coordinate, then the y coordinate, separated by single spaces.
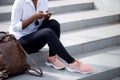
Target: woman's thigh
pixel 52 24
pixel 34 41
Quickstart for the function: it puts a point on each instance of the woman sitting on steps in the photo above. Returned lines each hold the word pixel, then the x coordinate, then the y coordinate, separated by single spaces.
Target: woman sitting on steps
pixel 32 27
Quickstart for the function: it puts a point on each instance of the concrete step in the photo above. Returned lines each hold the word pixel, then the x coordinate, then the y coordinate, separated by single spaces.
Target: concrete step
pixel 5 13
pixel 68 6
pixel 113 74
pixel 78 20
pixel 4 26
pixel 86 40
pixel 90 34
pixel 54 6
pixel 103 61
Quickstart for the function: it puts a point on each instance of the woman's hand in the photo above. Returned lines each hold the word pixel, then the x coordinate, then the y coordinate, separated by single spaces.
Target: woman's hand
pixel 38 15
pixel 47 15
pixel 41 14
pixel 28 21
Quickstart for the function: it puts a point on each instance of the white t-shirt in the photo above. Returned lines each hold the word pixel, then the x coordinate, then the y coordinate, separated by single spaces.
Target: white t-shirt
pixel 21 10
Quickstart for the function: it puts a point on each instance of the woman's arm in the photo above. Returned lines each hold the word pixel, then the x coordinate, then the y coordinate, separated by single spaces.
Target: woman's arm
pixel 16 16
pixel 37 15
pixel 17 13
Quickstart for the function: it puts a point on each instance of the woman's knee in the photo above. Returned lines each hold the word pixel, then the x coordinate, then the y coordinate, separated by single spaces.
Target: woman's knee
pixel 55 23
pixel 48 31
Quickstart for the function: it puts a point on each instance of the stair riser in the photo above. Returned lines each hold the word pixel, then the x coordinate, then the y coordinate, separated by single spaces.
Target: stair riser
pixel 88 23
pixel 5 17
pixel 72 8
pixel 93 45
pixel 119 40
pixel 119 17
pixel 104 43
pixel 107 75
pixel 41 57
pixel 6 2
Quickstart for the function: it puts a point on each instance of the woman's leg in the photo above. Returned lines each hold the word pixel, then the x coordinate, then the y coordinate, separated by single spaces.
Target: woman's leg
pixel 30 42
pixel 75 66
pixel 55 26
pixel 39 38
pixel 52 24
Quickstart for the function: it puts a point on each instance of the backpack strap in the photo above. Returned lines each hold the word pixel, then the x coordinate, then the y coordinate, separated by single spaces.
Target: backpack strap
pixel 31 70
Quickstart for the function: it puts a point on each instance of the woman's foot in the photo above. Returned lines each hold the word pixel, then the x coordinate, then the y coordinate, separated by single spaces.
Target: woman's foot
pixel 55 62
pixel 79 67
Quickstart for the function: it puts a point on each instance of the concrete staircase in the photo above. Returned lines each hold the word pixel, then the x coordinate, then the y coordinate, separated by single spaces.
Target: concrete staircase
pixel 88 34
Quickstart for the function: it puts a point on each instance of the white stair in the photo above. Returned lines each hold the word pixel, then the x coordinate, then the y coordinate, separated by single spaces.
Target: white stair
pixel 78 20
pixel 66 6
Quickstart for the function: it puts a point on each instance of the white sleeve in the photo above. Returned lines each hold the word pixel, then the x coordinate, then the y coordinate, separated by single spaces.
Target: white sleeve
pixel 16 17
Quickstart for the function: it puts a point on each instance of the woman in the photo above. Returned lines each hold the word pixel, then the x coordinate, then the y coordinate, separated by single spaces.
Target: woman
pixel 31 26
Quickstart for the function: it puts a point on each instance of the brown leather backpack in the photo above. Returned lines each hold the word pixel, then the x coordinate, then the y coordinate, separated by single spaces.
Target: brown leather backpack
pixel 13 58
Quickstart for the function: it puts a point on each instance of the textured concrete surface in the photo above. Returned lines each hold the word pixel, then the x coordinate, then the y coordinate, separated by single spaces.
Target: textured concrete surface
pixel 107 4
pixel 101 60
pixel 112 74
